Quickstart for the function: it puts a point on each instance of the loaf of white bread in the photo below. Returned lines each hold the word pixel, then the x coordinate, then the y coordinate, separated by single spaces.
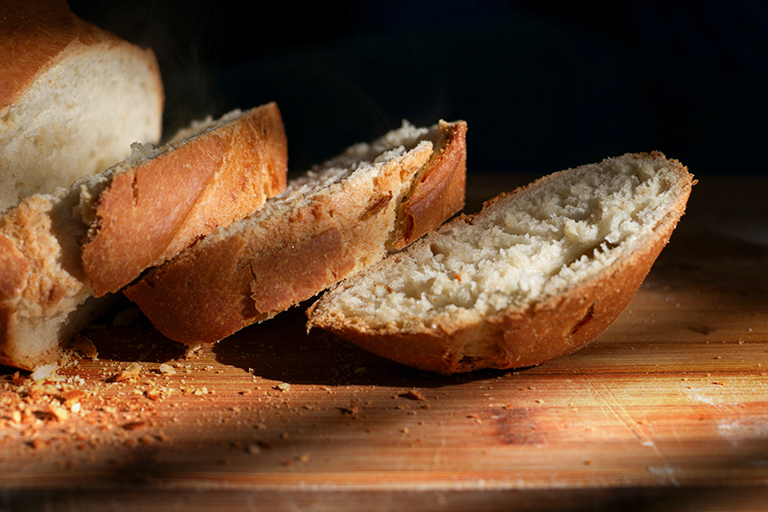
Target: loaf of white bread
pixel 63 254
pixel 335 220
pixel 73 98
pixel 538 273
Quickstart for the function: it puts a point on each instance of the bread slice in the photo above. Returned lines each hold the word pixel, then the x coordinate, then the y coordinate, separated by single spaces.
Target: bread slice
pixel 62 254
pixel 72 98
pixel 335 220
pixel 536 274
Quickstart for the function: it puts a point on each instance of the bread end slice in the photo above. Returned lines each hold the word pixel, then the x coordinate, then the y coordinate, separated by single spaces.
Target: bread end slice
pixel 537 274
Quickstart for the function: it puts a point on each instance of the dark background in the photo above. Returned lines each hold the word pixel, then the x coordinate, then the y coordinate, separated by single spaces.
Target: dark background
pixel 542 85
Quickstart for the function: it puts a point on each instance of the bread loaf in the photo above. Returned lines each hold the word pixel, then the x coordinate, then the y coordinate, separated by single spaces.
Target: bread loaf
pixel 537 274
pixel 62 254
pixel 73 98
pixel 333 221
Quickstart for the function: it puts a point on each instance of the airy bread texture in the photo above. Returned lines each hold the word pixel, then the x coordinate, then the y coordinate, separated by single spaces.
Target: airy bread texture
pixel 73 98
pixel 537 274
pixel 335 220
pixel 62 254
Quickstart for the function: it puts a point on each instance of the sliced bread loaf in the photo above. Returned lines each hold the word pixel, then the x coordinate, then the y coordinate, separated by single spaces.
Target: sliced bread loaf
pixel 333 221
pixel 537 274
pixel 62 253
pixel 73 98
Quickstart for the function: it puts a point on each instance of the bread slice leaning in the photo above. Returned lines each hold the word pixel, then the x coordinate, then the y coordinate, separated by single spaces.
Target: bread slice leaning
pixel 335 220
pixel 62 254
pixel 73 98
pixel 538 273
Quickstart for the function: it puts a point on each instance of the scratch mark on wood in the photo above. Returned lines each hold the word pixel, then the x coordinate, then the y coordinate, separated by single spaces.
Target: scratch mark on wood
pixel 607 400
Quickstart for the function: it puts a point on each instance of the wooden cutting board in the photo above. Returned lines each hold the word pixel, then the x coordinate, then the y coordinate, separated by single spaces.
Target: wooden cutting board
pixel 668 409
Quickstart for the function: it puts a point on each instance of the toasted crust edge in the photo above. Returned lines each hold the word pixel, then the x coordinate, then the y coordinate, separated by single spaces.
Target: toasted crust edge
pixel 441 189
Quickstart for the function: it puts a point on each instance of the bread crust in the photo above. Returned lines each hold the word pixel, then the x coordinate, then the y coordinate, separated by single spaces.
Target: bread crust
pixel 217 288
pixel 440 190
pixel 213 180
pixel 38 34
pixel 514 338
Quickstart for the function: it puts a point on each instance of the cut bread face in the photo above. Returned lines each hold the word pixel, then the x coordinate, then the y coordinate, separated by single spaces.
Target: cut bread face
pixel 74 99
pixel 338 218
pixel 45 296
pixel 537 274
pixel 63 254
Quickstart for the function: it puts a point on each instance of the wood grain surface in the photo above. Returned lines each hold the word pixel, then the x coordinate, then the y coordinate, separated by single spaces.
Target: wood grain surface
pixel 667 410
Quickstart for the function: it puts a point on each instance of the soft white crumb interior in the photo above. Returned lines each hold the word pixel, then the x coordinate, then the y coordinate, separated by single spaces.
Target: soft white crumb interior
pixel 79 118
pixel 531 245
pixel 360 161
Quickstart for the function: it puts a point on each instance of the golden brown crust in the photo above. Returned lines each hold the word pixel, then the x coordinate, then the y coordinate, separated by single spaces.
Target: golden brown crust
pixel 269 289
pixel 151 212
pixel 177 296
pixel 34 35
pixel 513 338
pixel 440 190
pixel 37 34
pixel 216 288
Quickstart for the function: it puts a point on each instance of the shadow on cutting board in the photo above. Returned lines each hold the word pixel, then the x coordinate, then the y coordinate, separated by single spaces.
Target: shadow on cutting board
pixel 280 349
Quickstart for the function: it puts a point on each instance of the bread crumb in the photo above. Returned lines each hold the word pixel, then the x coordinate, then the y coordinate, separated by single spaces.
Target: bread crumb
pixel 58 412
pixel 134 425
pixel 71 397
pixel 413 394
pixel 352 410
pixel 43 372
pixel 166 369
pixel 128 374
pixel 37 443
